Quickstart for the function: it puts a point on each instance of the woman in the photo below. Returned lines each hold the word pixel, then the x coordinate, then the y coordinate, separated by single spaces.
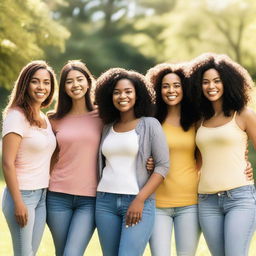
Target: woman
pixel 124 201
pixel 73 182
pixel 176 197
pixel 28 144
pixel 227 200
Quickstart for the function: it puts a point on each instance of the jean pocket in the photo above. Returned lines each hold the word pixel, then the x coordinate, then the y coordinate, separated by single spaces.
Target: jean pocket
pixel 202 197
pixel 27 193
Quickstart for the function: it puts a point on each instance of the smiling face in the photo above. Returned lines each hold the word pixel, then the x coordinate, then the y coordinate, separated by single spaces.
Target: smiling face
pixel 76 85
pixel 124 96
pixel 171 89
pixel 212 85
pixel 39 86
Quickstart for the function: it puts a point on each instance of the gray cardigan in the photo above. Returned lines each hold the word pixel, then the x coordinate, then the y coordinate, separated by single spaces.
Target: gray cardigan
pixel 152 142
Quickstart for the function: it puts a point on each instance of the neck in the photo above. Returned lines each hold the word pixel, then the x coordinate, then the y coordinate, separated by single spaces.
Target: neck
pixel 126 117
pixel 174 110
pixel 36 110
pixel 217 107
pixel 78 107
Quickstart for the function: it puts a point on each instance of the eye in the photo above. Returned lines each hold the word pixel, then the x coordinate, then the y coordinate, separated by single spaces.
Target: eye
pixel 165 86
pixel 80 80
pixel 217 81
pixel 177 85
pixel 115 92
pixel 33 81
pixel 68 82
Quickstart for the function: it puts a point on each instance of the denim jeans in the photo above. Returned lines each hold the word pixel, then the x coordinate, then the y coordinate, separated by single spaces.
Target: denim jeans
pixel 71 222
pixel 26 240
pixel 115 238
pixel 228 220
pixel 186 230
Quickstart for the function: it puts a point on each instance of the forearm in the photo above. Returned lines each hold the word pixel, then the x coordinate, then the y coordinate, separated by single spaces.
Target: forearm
pixel 12 182
pixel 150 187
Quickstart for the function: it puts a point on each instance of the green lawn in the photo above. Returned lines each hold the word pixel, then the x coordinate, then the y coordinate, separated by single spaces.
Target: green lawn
pixel 47 249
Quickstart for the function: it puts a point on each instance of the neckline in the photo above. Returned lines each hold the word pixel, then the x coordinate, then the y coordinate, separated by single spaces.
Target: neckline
pixel 174 126
pixel 112 129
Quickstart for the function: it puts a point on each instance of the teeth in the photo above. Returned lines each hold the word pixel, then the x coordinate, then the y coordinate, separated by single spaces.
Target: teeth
pixel 123 102
pixel 212 93
pixel 172 97
pixel 39 94
pixel 76 92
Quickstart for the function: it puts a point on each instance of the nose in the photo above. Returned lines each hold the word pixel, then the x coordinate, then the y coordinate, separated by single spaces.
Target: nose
pixel 40 85
pixel 211 85
pixel 171 89
pixel 122 95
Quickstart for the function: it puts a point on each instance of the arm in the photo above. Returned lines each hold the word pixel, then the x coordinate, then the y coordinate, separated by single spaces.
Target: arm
pixel 134 212
pixel 160 153
pixel 10 146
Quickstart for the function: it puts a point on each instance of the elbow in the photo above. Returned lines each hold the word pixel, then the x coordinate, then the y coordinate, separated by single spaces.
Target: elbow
pixel 7 165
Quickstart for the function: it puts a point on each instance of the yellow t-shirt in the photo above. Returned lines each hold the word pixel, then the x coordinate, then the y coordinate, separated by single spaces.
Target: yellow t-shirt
pixel 179 188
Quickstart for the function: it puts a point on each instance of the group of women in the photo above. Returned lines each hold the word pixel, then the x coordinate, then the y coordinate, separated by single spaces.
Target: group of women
pixel 191 118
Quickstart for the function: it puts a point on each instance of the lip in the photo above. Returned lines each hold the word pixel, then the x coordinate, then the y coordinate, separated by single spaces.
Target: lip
pixel 213 93
pixel 76 91
pixel 172 97
pixel 123 103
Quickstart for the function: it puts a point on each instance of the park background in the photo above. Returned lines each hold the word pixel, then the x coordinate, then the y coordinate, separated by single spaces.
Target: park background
pixel 135 34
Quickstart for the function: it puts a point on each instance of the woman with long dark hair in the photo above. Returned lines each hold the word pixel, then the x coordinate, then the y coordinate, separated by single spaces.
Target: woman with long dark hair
pixel 227 200
pixel 73 182
pixel 28 144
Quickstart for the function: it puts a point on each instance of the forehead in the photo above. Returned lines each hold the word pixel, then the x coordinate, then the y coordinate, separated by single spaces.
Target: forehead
pixel 211 73
pixel 171 78
pixel 124 84
pixel 41 73
pixel 74 73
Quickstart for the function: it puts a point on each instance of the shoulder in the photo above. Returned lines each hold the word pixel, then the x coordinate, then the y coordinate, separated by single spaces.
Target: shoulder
pixel 151 121
pixel 15 114
pixel 246 115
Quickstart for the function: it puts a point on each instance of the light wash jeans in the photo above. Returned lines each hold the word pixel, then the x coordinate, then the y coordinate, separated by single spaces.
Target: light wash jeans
pixel 115 238
pixel 228 220
pixel 186 230
pixel 26 240
pixel 71 222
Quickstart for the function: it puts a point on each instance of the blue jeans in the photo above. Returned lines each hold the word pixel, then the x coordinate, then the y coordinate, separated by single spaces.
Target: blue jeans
pixel 115 238
pixel 26 240
pixel 228 220
pixel 71 221
pixel 186 230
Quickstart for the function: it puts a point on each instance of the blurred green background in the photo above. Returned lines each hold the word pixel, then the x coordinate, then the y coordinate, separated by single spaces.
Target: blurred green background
pixel 135 34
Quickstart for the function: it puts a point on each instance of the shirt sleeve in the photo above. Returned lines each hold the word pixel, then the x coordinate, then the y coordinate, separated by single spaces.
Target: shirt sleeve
pixel 14 122
pixel 160 149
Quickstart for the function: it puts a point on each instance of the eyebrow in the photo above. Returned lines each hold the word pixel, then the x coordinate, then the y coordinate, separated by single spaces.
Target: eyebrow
pixel 75 77
pixel 36 78
pixel 212 79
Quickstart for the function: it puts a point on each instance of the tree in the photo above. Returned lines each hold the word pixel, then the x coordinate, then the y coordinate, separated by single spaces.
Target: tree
pixel 26 28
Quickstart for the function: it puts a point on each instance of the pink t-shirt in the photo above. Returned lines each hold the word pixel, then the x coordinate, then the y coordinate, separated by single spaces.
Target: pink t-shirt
pixel 35 150
pixel 78 139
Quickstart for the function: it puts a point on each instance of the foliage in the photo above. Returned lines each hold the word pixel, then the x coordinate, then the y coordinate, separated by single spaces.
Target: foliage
pixel 26 28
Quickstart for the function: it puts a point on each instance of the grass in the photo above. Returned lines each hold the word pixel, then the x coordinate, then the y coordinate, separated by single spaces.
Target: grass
pixel 47 248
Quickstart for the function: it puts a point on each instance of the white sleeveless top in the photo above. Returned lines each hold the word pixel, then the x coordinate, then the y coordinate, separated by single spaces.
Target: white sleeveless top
pixel 120 150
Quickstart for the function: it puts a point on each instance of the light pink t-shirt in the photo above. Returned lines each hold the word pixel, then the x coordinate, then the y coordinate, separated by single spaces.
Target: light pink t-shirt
pixel 35 150
pixel 78 139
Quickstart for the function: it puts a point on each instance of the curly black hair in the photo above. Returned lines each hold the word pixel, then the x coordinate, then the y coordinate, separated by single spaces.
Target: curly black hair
pixel 105 85
pixel 189 114
pixel 235 79
pixel 64 102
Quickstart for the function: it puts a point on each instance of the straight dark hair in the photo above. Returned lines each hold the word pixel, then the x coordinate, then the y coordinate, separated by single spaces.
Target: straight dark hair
pixel 64 102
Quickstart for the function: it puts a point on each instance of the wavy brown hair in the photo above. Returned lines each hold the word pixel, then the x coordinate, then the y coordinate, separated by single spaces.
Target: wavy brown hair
pixel 64 102
pixel 19 96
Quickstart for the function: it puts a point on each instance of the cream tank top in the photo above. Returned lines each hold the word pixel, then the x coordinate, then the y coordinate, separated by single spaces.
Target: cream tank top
pixel 223 157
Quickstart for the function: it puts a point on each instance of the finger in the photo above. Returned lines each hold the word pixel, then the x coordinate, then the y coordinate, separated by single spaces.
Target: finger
pixel 128 220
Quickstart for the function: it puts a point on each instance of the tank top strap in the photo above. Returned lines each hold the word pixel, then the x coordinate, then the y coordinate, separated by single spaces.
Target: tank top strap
pixel 234 116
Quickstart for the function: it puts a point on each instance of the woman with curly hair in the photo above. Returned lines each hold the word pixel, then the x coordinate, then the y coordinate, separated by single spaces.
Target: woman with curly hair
pixel 227 200
pixel 125 204
pixel 72 190
pixel 176 197
pixel 28 144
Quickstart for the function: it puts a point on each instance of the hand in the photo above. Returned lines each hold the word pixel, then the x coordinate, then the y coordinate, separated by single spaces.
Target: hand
pixel 21 214
pixel 249 171
pixel 134 212
pixel 150 165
